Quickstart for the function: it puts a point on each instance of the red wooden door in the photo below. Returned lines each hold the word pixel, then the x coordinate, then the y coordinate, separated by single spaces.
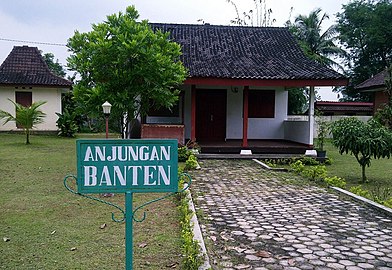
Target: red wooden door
pixel 210 115
pixel 25 99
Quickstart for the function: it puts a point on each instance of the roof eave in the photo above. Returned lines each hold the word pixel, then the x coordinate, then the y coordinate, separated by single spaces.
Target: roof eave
pixel 265 82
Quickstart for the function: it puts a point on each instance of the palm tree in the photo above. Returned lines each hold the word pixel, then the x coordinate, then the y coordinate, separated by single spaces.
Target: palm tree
pixel 25 117
pixel 317 45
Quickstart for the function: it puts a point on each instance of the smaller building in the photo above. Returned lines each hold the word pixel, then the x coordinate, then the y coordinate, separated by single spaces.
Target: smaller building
pixel 376 86
pixel 26 78
pixel 331 108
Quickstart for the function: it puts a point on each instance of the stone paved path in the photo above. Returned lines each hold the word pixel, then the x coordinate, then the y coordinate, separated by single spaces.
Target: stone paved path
pixel 254 219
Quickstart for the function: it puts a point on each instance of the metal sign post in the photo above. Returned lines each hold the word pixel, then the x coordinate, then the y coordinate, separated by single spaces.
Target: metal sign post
pixel 126 166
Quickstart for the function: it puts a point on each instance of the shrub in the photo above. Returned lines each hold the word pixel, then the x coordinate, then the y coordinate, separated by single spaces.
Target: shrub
pixel 67 124
pixel 297 166
pixel 315 172
pixel 335 181
pixel 191 163
pixel 192 259
pixel 360 191
pixel 183 154
pixel 388 203
pixel 309 161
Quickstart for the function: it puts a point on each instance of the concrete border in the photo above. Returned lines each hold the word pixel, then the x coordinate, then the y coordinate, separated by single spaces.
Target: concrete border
pixel 197 234
pixel 265 166
pixel 368 202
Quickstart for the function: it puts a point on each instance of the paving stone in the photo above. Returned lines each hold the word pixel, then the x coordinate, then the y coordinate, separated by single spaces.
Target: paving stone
pixel 249 210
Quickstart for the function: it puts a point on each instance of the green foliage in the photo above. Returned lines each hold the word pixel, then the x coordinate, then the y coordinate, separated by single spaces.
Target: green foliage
pixel 335 181
pixel 377 194
pixel 317 45
pixel 26 117
pixel 388 203
pixel 360 191
pixel 309 161
pixel 297 167
pixel 127 63
pixel 55 67
pixel 323 130
pixel 363 140
pixel 365 29
pixel 191 162
pixel 67 124
pixel 297 101
pixel 183 153
pixel 190 247
pixel 383 116
pixel 314 173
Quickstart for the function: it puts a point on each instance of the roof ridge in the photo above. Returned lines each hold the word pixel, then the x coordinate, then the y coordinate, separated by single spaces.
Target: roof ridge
pixel 220 25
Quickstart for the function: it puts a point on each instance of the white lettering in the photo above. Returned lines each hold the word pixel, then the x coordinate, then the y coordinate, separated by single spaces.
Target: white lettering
pixel 154 154
pixel 148 175
pixel 100 153
pixel 122 177
pixel 90 176
pixel 105 177
pixel 166 152
pixel 134 174
pixel 88 155
pixel 142 154
pixel 163 175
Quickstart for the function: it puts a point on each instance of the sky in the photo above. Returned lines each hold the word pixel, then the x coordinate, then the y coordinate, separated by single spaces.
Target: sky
pixel 54 21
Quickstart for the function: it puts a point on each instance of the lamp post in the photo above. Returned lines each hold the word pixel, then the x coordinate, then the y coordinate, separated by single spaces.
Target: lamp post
pixel 106 107
pixel 106 111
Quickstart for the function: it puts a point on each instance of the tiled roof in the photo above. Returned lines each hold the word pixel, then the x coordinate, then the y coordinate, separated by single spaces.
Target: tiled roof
pixel 377 81
pixel 25 66
pixel 237 52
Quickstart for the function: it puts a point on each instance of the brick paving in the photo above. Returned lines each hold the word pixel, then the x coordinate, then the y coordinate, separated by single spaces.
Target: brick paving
pixel 257 219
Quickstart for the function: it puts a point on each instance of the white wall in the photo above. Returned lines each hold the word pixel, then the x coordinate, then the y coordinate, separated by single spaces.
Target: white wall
pixel 258 128
pixel 263 128
pixel 52 96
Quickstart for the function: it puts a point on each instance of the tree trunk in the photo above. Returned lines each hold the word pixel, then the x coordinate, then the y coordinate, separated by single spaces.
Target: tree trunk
pixel 363 174
pixel 27 136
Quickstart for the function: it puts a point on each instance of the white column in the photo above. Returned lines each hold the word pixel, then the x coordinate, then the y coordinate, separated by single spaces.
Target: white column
pixel 311 114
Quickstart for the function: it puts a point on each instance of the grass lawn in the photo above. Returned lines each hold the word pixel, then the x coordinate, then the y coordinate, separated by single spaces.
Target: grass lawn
pixel 379 174
pixel 50 228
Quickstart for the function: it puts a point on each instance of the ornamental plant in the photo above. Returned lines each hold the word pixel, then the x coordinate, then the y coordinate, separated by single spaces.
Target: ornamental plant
pixel 27 117
pixel 362 140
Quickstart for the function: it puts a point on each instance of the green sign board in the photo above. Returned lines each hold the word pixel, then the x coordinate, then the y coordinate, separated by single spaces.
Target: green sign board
pixel 120 166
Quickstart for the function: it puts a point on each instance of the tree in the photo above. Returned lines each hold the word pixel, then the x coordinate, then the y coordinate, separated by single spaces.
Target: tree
pixel 365 30
pixel 296 101
pixel 128 64
pixel 55 67
pixel 25 117
pixel 363 140
pixel 317 45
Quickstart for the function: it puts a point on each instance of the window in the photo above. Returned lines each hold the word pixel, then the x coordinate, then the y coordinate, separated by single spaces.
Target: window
pixel 165 115
pixel 261 104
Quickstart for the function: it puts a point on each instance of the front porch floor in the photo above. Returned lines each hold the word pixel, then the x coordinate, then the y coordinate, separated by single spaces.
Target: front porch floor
pixel 260 147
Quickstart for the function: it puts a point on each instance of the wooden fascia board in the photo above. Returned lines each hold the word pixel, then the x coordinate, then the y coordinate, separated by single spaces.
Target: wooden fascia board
pixel 248 82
